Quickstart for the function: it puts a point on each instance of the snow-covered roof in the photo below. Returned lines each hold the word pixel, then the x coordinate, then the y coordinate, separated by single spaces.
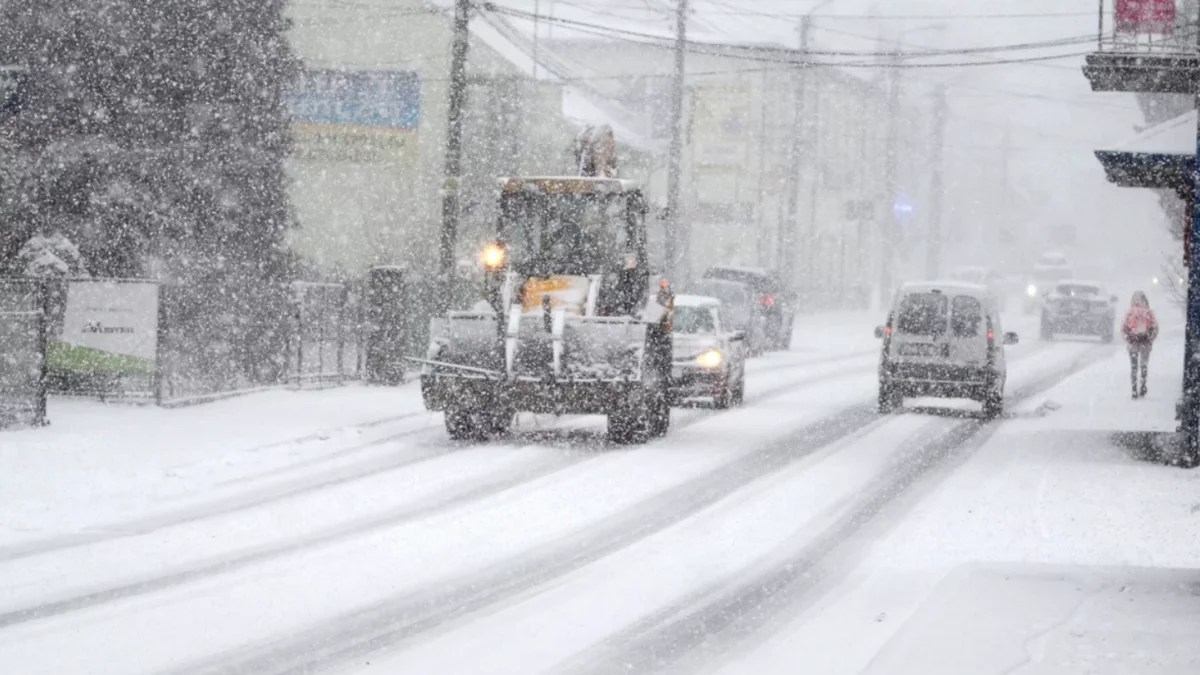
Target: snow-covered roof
pixel 515 44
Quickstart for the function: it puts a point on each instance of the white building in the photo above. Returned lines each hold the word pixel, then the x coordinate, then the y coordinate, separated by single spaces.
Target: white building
pixel 370 128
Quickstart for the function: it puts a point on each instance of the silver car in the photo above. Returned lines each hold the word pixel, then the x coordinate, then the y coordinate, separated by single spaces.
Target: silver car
pixel 709 358
pixel 1079 308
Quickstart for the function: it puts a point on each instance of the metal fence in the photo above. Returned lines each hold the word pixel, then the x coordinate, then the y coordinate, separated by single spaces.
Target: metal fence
pixel 215 341
pixel 327 347
pixel 22 353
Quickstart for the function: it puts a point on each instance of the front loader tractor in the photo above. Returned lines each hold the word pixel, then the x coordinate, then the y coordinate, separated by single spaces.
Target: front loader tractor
pixel 576 321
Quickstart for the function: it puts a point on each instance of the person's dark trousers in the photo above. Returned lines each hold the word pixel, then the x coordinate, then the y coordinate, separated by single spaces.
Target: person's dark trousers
pixel 1139 364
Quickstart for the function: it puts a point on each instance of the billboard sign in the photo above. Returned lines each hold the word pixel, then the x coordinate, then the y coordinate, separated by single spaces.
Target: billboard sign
pixel 387 99
pixel 1145 16
pixel 108 327
pixel 357 116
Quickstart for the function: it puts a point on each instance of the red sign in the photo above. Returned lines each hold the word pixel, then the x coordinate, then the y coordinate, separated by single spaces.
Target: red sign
pixel 1145 16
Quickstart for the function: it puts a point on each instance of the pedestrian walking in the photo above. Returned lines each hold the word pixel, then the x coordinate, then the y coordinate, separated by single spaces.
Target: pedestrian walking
pixel 1140 328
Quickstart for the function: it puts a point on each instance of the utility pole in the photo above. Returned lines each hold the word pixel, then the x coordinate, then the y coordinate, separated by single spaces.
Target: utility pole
pixel 787 239
pixel 677 233
pixel 933 260
pixel 454 131
pixel 887 214
pixel 761 194
pixel 537 9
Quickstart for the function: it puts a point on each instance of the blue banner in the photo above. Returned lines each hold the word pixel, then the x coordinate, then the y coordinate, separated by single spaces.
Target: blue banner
pixel 360 98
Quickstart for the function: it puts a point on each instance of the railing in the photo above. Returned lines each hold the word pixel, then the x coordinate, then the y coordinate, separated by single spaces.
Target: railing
pixel 1163 27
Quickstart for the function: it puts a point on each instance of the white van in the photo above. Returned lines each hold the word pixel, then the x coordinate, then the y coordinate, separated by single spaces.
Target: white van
pixel 944 340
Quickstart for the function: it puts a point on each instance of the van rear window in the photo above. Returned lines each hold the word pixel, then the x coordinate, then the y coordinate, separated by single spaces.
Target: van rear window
pixel 967 316
pixel 922 314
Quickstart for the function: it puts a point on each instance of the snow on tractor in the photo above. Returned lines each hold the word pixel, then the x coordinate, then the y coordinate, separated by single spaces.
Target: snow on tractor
pixel 577 323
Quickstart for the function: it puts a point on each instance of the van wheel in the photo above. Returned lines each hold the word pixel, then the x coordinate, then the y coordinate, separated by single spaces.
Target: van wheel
pixel 993 402
pixel 889 399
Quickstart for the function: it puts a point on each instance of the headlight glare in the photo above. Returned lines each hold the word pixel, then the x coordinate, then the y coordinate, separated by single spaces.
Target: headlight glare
pixel 710 359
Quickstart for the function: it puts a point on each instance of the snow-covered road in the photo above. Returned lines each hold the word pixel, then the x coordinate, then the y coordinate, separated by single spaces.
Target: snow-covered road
pixel 340 531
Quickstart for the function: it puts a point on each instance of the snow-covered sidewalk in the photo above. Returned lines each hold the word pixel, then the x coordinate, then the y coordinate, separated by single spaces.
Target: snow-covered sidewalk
pixel 1053 549
pixel 97 460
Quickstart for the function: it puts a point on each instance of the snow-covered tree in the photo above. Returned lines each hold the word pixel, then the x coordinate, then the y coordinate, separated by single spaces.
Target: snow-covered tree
pixel 150 130
pixel 51 256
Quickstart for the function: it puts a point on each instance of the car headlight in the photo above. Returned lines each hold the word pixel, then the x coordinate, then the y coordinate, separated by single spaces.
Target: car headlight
pixel 710 359
pixel 1031 290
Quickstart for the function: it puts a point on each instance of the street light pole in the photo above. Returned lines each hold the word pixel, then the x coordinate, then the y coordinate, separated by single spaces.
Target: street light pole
pixel 933 260
pixel 890 179
pixel 887 214
pixel 787 253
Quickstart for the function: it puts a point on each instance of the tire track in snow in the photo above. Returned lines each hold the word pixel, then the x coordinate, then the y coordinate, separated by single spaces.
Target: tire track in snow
pixel 409 614
pixel 358 526
pixel 699 628
pixel 231 504
pixel 308 484
pixel 396 618
pixel 365 525
pixel 329 535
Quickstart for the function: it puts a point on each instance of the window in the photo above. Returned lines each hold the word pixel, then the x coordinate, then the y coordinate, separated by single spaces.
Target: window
pixel 566 233
pixel 922 314
pixel 967 316
pixel 694 320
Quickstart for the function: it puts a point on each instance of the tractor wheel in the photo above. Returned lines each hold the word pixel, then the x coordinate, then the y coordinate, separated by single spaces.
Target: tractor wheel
pixel 644 414
pixel 463 425
pixel 477 425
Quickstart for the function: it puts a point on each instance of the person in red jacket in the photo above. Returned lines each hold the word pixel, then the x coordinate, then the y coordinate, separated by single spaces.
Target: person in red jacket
pixel 1140 328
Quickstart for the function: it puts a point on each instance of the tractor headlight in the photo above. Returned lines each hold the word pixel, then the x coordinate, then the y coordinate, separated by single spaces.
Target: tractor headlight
pixel 494 256
pixel 710 359
pixel 1031 290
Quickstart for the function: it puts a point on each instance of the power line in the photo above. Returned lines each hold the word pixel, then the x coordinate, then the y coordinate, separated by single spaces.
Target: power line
pixel 1059 42
pixel 733 10
pixel 731 51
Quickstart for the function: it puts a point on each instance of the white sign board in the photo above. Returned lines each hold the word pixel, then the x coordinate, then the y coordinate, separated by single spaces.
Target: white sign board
pixel 110 322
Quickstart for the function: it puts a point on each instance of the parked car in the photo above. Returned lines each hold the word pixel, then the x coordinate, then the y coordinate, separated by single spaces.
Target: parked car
pixel 740 309
pixel 709 358
pixel 946 341
pixel 778 304
pixel 1079 308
